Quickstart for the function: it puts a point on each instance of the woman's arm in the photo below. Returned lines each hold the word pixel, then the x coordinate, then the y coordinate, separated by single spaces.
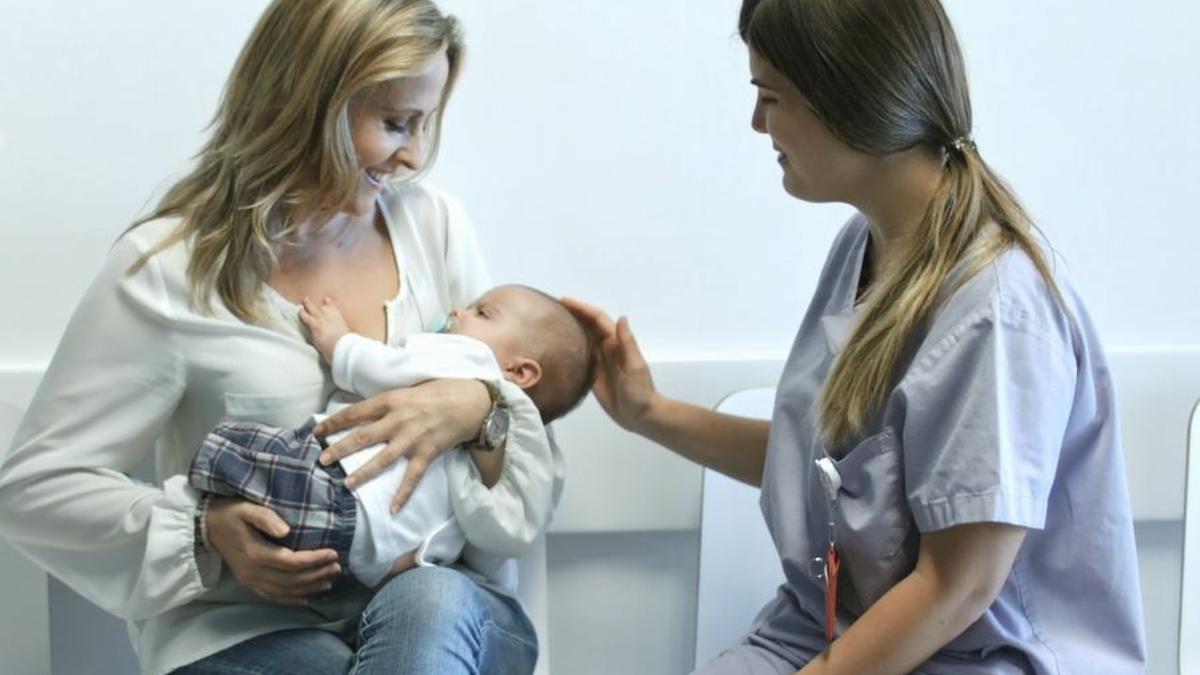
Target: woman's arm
pixel 65 498
pixel 959 573
pixel 735 446
pixel 521 483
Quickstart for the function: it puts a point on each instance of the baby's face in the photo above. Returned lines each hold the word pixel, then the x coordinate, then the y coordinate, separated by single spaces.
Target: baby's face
pixel 499 319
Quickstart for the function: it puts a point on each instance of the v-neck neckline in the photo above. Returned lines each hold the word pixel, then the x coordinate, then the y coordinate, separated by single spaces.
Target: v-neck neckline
pixel 851 302
pixel 388 305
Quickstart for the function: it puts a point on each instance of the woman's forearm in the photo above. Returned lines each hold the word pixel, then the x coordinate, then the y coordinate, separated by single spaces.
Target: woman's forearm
pixel 504 502
pixel 735 446
pixel 899 633
pixel 489 463
pixel 959 572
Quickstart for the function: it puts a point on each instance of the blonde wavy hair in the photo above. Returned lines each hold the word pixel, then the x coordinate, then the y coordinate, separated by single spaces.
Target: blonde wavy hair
pixel 281 141
pixel 886 76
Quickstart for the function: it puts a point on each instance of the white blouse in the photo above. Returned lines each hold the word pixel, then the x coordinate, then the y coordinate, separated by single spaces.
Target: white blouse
pixel 142 373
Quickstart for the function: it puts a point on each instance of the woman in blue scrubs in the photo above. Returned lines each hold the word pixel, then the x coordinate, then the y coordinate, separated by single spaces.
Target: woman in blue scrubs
pixel 942 475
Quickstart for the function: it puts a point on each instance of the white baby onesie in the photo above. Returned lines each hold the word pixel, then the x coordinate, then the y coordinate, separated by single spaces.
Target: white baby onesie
pixel 361 368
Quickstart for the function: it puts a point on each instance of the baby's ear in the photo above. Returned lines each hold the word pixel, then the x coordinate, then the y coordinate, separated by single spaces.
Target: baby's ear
pixel 523 371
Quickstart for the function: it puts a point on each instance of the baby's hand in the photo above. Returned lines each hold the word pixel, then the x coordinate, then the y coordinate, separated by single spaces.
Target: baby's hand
pixel 326 325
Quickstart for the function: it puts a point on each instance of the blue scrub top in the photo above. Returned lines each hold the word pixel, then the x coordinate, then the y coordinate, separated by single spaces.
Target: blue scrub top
pixel 1004 412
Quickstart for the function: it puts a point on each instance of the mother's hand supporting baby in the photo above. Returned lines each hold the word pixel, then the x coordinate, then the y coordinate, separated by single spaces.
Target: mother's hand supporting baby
pixel 419 423
pixel 279 574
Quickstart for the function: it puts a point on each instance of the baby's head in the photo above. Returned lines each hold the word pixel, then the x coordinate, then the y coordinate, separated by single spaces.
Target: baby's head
pixel 540 346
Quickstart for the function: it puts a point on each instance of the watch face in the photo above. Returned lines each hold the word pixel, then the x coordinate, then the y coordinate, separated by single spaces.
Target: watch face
pixel 496 428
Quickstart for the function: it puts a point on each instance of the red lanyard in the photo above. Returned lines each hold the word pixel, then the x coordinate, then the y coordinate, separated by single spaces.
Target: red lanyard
pixel 832 565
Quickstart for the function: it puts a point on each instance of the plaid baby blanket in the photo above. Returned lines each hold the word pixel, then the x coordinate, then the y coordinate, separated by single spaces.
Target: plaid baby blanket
pixel 278 469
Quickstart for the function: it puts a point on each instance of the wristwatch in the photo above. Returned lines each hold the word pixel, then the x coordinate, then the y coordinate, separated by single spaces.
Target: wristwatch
pixel 494 431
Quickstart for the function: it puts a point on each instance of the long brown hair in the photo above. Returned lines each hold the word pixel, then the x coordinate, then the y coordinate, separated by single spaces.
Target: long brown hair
pixel 886 76
pixel 281 137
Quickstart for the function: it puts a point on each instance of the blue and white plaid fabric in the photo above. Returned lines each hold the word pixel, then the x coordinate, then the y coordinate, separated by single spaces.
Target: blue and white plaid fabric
pixel 278 469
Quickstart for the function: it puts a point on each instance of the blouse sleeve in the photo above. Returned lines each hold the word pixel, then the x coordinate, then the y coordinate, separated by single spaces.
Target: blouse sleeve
pixel 368 367
pixel 66 499
pixel 506 519
pixel 987 407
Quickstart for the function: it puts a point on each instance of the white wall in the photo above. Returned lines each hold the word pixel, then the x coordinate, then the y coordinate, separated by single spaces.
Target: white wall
pixel 623 127
pixel 604 149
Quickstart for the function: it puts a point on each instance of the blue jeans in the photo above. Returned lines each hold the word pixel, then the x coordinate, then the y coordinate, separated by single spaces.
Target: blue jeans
pixel 426 621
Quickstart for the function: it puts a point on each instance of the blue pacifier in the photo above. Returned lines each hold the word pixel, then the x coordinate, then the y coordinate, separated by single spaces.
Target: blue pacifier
pixel 441 324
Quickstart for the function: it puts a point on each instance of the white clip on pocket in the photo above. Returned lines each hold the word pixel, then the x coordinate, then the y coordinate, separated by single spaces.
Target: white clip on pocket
pixel 831 480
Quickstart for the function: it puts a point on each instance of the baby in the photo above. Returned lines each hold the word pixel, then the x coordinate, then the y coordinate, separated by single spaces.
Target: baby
pixel 514 332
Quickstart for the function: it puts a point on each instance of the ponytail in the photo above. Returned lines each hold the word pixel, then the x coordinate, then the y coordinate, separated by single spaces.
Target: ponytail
pixel 956 229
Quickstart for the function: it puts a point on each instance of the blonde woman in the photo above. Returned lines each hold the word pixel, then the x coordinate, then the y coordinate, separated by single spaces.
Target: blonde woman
pixel 307 188
pixel 942 475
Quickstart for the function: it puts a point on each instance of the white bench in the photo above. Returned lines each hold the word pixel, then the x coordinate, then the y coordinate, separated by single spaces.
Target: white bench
pixel 1189 610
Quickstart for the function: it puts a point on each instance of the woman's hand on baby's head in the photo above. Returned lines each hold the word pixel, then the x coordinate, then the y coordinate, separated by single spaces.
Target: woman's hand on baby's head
pixel 623 384
pixel 325 323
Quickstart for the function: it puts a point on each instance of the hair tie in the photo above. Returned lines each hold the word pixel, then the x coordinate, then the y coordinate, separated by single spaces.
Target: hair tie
pixel 961 145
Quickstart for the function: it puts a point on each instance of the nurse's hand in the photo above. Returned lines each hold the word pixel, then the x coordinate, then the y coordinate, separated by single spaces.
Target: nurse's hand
pixel 623 383
pixel 419 423
pixel 279 574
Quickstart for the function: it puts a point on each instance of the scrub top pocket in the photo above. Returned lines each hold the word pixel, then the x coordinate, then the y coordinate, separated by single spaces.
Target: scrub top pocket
pixel 876 537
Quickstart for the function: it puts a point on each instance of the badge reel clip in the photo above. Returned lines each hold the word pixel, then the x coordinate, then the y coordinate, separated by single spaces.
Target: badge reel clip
pixel 825 568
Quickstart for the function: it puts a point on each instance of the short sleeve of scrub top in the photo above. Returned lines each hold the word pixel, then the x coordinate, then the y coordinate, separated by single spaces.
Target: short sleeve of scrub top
pixel 987 400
